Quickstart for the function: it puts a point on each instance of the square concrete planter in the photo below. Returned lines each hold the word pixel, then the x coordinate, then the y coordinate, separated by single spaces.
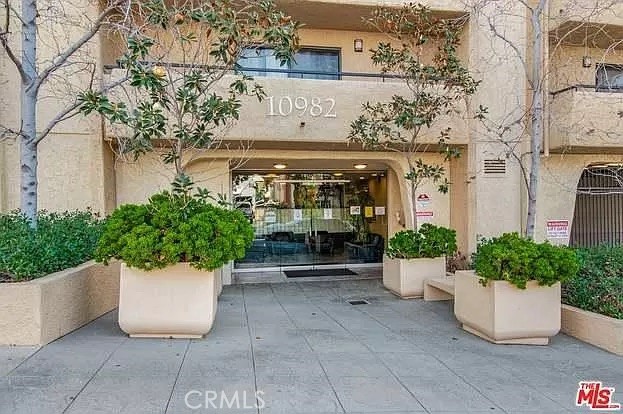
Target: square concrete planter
pixel 178 301
pixel 41 310
pixel 405 277
pixel 599 330
pixel 503 314
pixel 218 279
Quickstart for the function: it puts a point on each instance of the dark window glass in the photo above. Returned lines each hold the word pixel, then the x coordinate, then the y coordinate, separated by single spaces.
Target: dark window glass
pixel 263 60
pixel 610 77
pixel 306 60
pixel 316 60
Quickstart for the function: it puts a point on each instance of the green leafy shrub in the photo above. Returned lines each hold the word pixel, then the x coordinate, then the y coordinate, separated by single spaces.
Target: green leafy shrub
pixel 60 241
pixel 517 260
pixel 429 241
pixel 598 287
pixel 173 228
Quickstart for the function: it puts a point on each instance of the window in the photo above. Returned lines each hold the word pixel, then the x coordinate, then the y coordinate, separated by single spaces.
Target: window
pixel 261 62
pixel 609 77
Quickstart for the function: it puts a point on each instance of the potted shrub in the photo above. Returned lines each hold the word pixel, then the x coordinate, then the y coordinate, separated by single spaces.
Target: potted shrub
pixel 415 256
pixel 513 294
pixel 169 250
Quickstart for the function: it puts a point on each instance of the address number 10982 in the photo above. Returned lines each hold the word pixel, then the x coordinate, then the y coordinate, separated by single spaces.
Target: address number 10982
pixel 287 105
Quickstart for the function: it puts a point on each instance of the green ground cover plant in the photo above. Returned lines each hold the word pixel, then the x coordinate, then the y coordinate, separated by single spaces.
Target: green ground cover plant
pixel 598 286
pixel 60 241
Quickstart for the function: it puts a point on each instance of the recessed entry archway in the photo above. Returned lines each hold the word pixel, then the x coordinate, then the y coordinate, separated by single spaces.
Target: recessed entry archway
pixel 312 215
pixel 598 213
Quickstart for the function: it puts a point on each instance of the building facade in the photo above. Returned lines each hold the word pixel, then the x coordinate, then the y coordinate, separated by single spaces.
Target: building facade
pixel 315 200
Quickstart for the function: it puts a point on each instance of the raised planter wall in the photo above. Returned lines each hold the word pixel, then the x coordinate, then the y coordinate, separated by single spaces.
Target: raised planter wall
pixel 41 310
pixel 599 330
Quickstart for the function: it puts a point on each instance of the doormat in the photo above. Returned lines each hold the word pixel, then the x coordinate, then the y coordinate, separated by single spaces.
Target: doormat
pixel 323 272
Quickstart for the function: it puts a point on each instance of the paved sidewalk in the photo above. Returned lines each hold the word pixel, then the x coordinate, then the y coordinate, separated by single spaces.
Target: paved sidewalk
pixel 306 351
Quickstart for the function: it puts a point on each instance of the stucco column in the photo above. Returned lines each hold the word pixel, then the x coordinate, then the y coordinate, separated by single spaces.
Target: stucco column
pixel 494 200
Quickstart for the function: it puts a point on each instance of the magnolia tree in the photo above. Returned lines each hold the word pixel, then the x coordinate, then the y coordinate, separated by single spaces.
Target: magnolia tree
pixel 185 88
pixel 435 86
pixel 49 45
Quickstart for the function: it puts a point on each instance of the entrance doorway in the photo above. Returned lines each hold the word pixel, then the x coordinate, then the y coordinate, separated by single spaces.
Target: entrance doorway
pixel 312 220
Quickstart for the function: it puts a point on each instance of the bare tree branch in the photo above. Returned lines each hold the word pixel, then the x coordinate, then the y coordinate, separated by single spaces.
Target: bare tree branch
pixel 5 44
pixel 72 111
pixel 88 35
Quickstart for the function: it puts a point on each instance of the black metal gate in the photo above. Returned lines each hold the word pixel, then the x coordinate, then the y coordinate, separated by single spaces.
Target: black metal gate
pixel 598 217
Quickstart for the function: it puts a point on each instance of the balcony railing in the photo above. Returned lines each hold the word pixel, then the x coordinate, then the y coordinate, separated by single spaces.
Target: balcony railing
pixel 595 88
pixel 586 116
pixel 291 73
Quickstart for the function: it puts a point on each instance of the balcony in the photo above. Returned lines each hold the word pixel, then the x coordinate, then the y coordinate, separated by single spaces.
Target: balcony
pixel 347 14
pixel 318 111
pixel 593 11
pixel 578 22
pixel 583 119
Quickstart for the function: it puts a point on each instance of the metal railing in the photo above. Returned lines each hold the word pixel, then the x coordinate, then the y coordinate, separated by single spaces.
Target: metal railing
pixel 292 73
pixel 595 88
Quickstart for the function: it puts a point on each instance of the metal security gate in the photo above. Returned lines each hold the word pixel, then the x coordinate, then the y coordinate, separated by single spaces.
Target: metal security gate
pixel 598 217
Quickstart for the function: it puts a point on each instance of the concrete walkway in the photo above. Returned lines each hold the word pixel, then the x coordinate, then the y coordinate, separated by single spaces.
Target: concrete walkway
pixel 304 350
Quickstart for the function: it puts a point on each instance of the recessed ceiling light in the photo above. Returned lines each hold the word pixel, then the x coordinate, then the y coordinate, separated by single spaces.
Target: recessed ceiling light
pixel 362 178
pixel 374 174
pixel 338 174
pixel 280 166
pixel 361 166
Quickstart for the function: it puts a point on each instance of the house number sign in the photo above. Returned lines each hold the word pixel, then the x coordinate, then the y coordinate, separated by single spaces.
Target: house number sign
pixel 300 105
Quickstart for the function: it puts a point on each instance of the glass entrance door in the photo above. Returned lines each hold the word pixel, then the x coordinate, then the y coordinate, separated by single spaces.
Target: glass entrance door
pixel 305 220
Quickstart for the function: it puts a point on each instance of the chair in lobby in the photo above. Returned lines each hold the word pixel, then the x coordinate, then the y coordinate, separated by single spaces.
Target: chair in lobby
pixel 370 252
pixel 322 243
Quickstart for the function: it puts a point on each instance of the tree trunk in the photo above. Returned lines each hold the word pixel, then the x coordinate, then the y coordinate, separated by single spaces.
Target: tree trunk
pixel 414 204
pixel 536 118
pixel 29 89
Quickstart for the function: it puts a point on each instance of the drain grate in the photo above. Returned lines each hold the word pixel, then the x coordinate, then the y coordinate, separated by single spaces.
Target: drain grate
pixel 358 302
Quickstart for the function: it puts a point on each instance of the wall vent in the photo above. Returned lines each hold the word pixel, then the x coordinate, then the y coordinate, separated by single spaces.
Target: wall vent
pixel 495 166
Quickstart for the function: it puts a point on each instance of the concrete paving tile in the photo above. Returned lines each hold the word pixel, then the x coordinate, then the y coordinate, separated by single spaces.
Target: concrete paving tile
pixel 147 357
pixel 440 391
pixel 411 364
pixel 234 339
pixel 58 361
pixel 41 395
pixel 370 394
pixel 289 395
pixel 124 394
pixel 199 394
pixel 206 362
pixel 510 393
pixel 388 342
pixel 278 411
pixel 291 364
pixel 328 340
pixel 341 364
pixel 12 356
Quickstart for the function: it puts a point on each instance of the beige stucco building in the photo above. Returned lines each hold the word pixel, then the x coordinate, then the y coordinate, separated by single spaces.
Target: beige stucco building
pixel 78 167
